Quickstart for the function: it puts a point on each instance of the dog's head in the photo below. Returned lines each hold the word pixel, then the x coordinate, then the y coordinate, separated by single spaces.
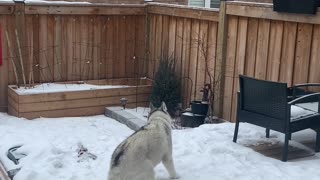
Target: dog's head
pixel 162 109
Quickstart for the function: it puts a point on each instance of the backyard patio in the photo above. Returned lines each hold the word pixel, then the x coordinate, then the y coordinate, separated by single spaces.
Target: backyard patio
pixel 60 60
pixel 51 147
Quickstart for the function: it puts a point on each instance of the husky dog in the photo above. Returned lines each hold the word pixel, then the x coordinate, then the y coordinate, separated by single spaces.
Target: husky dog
pixel 136 156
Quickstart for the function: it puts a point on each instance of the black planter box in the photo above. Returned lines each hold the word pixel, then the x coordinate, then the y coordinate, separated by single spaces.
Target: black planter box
pixel 296 6
pixel 198 107
pixel 189 119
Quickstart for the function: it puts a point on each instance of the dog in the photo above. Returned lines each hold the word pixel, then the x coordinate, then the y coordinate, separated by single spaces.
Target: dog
pixel 136 157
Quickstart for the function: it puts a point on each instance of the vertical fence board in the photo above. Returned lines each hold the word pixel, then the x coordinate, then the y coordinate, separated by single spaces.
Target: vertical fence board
pixel 262 49
pixel 165 36
pixel 36 48
pixel 63 49
pixel 230 66
pixel 70 24
pixel 108 36
pixel 178 46
pixel 116 45
pixel 158 41
pixel 314 73
pixel 90 48
pixel 202 58
pixel 211 55
pixel 288 49
pixel 58 68
pixel 152 57
pixel 122 47
pixel 28 64
pixel 4 68
pixel 172 35
pixel 194 56
pixel 43 61
pixel 140 45
pixel 186 42
pixel 251 46
pixel 84 46
pixel 274 54
pixel 130 61
pixel 240 61
pixel 97 47
pixel 302 53
pixel 49 49
pixel 76 66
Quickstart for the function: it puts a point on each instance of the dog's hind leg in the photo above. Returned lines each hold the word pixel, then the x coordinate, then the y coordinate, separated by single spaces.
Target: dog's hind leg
pixel 168 163
pixel 146 172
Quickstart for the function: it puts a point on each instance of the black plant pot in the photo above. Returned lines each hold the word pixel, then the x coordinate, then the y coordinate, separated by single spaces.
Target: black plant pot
pixel 198 107
pixel 189 119
pixel 296 6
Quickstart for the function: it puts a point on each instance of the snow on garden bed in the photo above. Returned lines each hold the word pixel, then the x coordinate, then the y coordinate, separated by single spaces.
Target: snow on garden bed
pixel 54 87
pixel 202 153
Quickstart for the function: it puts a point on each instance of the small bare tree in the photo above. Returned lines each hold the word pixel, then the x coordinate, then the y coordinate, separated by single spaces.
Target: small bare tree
pixel 213 81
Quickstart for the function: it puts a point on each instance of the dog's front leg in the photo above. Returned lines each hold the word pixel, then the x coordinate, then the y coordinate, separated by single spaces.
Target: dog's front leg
pixel 168 164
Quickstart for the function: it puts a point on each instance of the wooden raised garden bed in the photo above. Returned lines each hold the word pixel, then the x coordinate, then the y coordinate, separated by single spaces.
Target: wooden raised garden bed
pixel 79 102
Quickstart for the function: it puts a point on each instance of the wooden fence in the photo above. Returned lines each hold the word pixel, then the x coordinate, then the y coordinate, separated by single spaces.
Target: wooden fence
pixel 189 36
pixel 100 41
pixel 73 42
pixel 271 46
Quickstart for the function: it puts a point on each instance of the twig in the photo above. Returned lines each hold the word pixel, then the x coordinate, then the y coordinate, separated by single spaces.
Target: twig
pixel 21 61
pixel 14 65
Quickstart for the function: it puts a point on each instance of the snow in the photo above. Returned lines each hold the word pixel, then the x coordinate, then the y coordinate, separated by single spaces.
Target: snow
pixel 139 112
pixel 200 153
pixel 53 87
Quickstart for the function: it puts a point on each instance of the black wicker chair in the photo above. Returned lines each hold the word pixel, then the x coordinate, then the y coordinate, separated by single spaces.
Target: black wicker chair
pixel 268 104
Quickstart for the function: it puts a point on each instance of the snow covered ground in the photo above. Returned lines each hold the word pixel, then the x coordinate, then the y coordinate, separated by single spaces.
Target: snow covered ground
pixel 203 153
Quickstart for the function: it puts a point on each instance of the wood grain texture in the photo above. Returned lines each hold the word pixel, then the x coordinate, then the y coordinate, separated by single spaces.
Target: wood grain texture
pixel 274 54
pixel 230 66
pixel 288 52
pixel 302 53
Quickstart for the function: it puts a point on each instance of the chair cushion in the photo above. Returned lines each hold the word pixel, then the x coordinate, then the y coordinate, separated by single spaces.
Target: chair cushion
pixel 302 110
pixel 313 106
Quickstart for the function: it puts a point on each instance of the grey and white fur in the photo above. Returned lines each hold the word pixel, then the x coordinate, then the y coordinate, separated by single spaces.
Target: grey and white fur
pixel 136 157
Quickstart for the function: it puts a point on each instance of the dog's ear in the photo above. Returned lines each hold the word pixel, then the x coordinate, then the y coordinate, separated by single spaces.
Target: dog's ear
pixel 163 107
pixel 151 107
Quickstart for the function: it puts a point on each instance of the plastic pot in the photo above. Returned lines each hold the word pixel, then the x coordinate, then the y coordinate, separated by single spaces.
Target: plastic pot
pixel 189 119
pixel 198 107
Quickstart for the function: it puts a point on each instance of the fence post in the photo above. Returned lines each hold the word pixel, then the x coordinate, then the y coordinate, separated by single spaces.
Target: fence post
pixel 19 13
pixel 221 59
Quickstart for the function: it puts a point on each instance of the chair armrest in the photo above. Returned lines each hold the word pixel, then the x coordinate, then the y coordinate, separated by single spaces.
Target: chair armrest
pixel 296 87
pixel 306 85
pixel 304 97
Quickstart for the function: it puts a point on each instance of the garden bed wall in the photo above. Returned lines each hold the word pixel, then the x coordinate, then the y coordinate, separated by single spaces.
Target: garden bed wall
pixel 79 103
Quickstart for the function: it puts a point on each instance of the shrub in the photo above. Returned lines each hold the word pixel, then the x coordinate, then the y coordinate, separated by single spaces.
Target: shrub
pixel 166 86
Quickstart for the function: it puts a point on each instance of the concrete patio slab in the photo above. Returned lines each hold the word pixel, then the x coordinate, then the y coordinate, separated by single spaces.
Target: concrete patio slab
pixel 124 117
